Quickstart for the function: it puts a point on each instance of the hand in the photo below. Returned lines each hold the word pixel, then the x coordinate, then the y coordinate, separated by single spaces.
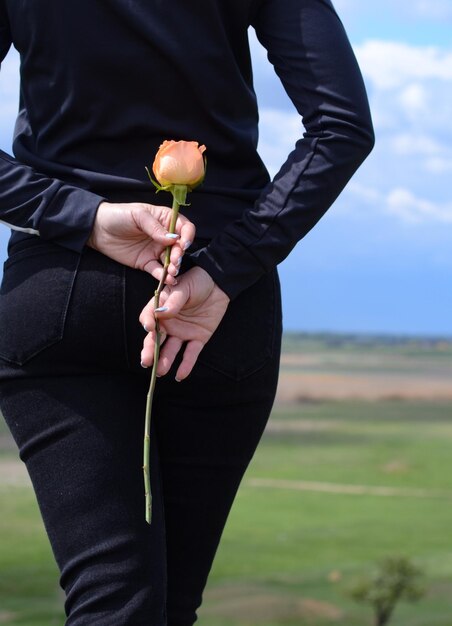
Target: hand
pixel 194 310
pixel 136 234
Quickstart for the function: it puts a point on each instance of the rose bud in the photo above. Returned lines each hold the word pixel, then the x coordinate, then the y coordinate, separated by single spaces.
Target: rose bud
pixel 179 163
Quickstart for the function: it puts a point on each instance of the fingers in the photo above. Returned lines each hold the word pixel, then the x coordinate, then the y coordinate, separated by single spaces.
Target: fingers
pixel 150 225
pixel 147 317
pixel 171 301
pixel 176 257
pixel 147 353
pixel 154 268
pixel 168 354
pixel 187 231
pixel 152 220
pixel 189 359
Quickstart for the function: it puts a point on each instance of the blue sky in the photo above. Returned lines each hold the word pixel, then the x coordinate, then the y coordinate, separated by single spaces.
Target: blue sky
pixel 381 258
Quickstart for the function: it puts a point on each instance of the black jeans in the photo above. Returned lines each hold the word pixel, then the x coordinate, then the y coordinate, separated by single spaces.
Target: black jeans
pixel 73 394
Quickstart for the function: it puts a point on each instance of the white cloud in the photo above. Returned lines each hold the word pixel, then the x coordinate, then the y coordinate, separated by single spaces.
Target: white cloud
pixel 365 192
pixel 425 151
pixel 438 165
pixel 412 143
pixel 391 64
pixel 414 99
pixel 9 94
pixel 403 204
pixel 278 131
pixel 9 76
pixel 410 208
pixel 410 89
pixel 412 146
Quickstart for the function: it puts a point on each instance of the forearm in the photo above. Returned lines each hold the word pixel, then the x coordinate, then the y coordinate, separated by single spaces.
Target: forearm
pixel 312 56
pixel 44 206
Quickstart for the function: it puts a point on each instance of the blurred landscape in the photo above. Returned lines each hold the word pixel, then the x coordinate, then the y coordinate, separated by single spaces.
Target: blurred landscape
pixel 355 465
pixel 368 367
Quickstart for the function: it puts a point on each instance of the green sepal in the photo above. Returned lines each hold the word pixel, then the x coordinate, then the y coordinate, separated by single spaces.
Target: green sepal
pixel 179 193
pixel 154 182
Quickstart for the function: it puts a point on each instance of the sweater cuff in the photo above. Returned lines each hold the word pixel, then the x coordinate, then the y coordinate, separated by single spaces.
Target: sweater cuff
pixel 69 219
pixel 230 264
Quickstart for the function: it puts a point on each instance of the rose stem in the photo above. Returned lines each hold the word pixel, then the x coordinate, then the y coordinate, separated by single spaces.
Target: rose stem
pixel 150 396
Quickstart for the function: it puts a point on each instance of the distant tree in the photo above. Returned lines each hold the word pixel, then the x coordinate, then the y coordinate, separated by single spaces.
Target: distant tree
pixel 396 578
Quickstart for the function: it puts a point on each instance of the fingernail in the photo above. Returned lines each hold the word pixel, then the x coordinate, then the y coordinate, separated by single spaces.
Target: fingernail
pixel 158 375
pixel 178 380
pixel 161 309
pixel 187 245
pixel 144 326
pixel 144 366
pixel 177 272
pixel 172 235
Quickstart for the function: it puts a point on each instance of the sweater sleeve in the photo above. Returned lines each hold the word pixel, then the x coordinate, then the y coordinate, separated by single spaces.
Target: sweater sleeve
pixel 34 203
pixel 309 49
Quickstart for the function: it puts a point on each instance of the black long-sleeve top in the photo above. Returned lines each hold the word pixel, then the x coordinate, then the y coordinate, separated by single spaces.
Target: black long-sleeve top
pixel 103 83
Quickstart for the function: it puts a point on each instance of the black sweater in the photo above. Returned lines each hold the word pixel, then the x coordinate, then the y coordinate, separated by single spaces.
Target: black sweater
pixel 104 82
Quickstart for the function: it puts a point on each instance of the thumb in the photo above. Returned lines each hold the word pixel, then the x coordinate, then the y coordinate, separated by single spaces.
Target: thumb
pixel 171 301
pixel 154 229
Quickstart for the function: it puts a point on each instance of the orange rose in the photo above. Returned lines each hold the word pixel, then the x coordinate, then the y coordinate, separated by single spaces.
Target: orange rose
pixel 179 163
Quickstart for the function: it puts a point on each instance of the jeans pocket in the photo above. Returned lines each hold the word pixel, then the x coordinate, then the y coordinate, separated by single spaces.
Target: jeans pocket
pixel 34 299
pixel 249 332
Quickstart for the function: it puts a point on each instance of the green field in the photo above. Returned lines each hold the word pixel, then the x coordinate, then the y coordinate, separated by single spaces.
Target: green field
pixel 284 545
pixel 297 538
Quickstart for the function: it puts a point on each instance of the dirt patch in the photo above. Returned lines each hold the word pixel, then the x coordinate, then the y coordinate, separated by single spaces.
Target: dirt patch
pixel 355 490
pixel 255 609
pixel 396 466
pixel 314 608
pixel 256 606
pixel 6 617
pixel 296 387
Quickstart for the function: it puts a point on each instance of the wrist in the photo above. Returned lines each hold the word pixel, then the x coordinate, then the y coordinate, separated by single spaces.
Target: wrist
pixel 202 274
pixel 92 237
